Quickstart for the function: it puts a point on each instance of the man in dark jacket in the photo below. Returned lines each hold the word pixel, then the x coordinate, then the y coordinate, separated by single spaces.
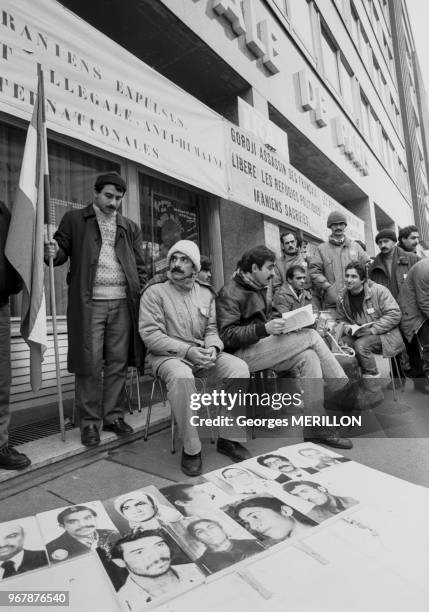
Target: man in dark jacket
pixel 106 275
pixel 330 259
pixel 414 302
pixel 10 283
pixel 80 534
pixel 293 294
pixel 371 317
pixel 248 329
pixel 390 268
pixel 14 558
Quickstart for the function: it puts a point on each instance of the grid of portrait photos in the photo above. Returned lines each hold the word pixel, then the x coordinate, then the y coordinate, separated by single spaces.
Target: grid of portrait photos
pixel 154 544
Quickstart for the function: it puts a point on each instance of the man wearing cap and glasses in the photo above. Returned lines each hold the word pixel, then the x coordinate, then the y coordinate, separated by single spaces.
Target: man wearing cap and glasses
pixel 328 264
pixel 105 278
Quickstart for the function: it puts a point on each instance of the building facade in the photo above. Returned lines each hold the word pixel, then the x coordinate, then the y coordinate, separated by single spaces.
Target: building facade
pixel 413 105
pixel 231 121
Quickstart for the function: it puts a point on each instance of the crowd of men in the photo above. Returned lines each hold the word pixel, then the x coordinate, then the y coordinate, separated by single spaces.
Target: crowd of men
pixel 187 333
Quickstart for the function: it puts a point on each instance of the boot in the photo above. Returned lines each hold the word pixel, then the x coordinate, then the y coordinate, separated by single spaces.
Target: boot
pixel 372 390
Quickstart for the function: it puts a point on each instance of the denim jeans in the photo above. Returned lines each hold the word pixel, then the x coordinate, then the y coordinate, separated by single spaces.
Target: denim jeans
pixel 102 397
pixel 5 373
pixel 365 348
pixel 227 373
pixel 304 352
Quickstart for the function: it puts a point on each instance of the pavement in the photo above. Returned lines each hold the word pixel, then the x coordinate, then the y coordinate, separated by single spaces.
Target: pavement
pixel 394 438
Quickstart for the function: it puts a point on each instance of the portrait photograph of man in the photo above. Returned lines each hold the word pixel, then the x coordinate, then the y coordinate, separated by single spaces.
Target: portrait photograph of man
pixel 310 456
pixel 221 550
pixel 152 574
pixel 270 519
pixel 325 504
pixel 195 499
pixel 77 530
pixel 21 548
pixel 282 468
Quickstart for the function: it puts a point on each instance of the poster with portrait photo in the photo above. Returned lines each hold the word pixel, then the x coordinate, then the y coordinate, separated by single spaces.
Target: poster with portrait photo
pixel 21 548
pixel 277 466
pixel 316 500
pixel 270 519
pixel 75 530
pixel 152 574
pixel 214 541
pixel 143 508
pixel 311 456
pixel 195 498
pixel 239 481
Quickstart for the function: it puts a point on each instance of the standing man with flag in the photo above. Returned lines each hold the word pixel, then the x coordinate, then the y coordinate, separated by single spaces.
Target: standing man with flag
pixel 106 275
pixel 10 283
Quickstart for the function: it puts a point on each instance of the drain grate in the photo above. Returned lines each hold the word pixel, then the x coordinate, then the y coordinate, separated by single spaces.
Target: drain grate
pixel 35 431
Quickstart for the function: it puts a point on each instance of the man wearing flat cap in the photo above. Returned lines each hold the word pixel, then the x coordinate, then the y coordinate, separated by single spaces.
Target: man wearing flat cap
pixel 328 264
pixel 178 326
pixel 105 278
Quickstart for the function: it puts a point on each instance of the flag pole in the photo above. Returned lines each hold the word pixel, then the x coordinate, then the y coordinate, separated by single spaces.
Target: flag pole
pixel 45 178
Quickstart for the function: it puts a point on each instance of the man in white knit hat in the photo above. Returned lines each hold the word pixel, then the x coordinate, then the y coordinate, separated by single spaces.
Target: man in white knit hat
pixel 178 327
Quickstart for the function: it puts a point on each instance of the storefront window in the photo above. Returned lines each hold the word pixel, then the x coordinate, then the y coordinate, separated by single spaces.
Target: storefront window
pixel 71 176
pixel 168 213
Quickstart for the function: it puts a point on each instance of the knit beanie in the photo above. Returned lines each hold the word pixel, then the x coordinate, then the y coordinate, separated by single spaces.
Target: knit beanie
pixel 386 233
pixel 188 248
pixel 111 178
pixel 336 216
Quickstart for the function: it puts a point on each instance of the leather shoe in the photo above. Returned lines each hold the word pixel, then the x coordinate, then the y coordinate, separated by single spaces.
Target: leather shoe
pixel 331 439
pixel 90 436
pixel 11 459
pixel 192 465
pixel 234 450
pixel 119 427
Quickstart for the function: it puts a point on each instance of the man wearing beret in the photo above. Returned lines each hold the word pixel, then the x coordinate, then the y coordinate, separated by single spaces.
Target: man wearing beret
pixel 178 326
pixel 328 264
pixel 106 275
pixel 390 268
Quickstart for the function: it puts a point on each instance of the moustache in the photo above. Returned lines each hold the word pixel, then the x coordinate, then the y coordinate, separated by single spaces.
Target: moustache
pixel 159 561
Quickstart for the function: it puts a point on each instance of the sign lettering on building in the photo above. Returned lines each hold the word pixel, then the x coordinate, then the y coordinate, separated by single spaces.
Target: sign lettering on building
pixel 267 183
pixel 242 18
pixel 103 95
pixel 312 98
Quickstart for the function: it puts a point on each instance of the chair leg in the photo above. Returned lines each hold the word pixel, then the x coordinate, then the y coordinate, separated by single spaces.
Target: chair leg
pixel 139 402
pixel 132 386
pixel 149 409
pixel 162 391
pixel 130 406
pixel 392 378
pixel 73 418
pixel 173 441
pixel 401 380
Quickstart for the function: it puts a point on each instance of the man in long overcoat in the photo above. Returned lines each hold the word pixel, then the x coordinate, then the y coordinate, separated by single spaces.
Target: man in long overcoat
pixel 105 277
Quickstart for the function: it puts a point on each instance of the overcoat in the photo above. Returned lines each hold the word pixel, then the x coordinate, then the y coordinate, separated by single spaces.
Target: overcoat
pixel 79 239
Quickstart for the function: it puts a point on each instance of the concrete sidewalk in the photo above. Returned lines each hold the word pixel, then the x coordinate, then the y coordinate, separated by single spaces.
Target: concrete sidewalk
pixel 393 439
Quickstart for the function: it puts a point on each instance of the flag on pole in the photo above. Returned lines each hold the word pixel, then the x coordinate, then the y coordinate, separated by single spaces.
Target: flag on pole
pixel 25 241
